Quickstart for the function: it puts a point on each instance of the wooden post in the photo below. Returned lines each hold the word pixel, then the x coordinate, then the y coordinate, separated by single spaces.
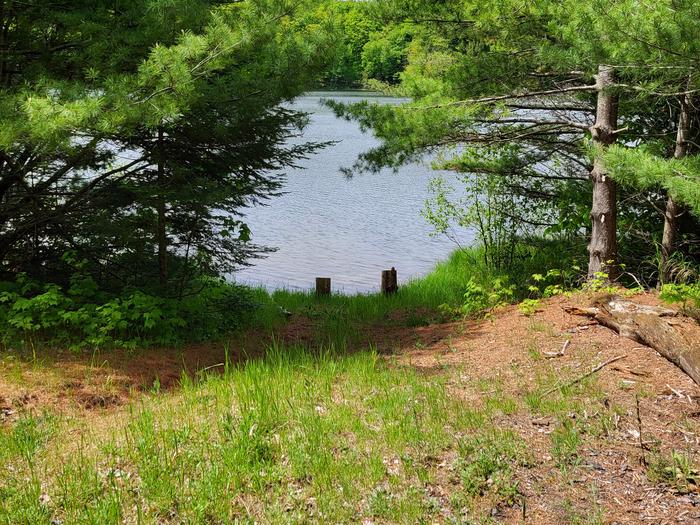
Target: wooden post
pixel 323 286
pixel 389 282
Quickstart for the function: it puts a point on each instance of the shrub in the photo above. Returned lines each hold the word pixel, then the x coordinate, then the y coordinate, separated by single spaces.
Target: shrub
pixel 80 315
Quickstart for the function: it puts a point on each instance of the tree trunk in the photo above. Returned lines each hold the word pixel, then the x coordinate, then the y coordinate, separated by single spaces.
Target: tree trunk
pixel 673 211
pixel 162 237
pixel 603 246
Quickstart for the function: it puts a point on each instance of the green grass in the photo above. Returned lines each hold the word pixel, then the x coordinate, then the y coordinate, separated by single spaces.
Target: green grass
pixel 676 470
pixel 446 284
pixel 312 434
pixel 295 437
pixel 337 317
pixel 436 297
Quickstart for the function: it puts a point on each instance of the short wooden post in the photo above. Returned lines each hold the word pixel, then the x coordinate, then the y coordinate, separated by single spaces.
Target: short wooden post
pixel 323 286
pixel 389 282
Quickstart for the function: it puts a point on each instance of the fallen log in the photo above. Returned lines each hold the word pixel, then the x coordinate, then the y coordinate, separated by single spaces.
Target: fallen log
pixel 648 325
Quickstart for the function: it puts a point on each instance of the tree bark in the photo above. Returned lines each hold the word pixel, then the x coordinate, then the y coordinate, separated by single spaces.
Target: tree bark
pixel 649 325
pixel 162 236
pixel 603 246
pixel 673 210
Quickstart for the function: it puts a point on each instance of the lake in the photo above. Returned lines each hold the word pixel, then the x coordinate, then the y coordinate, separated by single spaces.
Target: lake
pixel 347 229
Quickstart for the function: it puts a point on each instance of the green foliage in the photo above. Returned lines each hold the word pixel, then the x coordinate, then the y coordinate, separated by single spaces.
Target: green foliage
pixel 164 120
pixel 641 168
pixel 82 316
pixel 479 299
pixel 481 209
pixel 555 282
pixel 385 55
pixel 529 307
pixel 366 51
pixel 676 470
pixel 354 25
pixel 523 160
pixel 687 295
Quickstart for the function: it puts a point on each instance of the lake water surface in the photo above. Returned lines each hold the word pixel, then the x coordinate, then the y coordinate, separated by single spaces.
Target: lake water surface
pixel 348 230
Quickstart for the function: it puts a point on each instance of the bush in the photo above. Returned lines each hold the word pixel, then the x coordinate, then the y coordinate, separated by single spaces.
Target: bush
pixel 688 295
pixel 80 315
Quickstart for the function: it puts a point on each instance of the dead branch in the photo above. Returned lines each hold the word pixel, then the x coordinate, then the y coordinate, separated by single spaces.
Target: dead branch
pixel 584 376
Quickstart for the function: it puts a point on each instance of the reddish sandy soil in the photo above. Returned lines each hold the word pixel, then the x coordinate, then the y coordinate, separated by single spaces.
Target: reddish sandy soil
pixel 507 355
pixel 669 411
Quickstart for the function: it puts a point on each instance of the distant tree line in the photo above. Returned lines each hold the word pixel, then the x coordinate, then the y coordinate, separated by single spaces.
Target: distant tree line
pixel 368 54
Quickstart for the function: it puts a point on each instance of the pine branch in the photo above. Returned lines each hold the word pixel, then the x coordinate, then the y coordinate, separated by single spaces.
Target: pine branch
pixel 513 96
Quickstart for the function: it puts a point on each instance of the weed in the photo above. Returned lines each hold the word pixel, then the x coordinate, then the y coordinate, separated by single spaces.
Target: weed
pixel 529 307
pixel 504 404
pixel 486 463
pixel 566 440
pixel 533 351
pixel 676 470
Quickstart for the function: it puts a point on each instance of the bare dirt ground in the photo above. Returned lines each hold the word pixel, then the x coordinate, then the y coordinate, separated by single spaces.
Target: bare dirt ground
pixel 509 355
pixel 505 352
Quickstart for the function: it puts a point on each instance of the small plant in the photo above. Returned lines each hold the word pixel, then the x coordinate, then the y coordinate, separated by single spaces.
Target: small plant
pixel 533 351
pixel 565 442
pixel 554 282
pixel 677 471
pixel 600 282
pixel 477 298
pixel 529 306
pixel 687 295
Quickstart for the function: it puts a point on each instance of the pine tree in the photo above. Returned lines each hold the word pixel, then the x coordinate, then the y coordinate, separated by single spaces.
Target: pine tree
pixel 135 132
pixel 511 90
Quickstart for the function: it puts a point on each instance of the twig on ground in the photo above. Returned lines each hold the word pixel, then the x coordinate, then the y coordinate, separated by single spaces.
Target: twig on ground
pixel 213 366
pixel 560 353
pixel 675 391
pixel 639 425
pixel 584 376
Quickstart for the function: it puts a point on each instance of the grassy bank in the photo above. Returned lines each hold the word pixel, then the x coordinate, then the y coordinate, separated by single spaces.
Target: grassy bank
pixel 463 423
pixel 321 436
pixel 462 285
pixel 293 437
pixel 37 317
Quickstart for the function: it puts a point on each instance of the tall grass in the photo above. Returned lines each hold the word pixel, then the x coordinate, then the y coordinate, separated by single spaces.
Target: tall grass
pixel 296 437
